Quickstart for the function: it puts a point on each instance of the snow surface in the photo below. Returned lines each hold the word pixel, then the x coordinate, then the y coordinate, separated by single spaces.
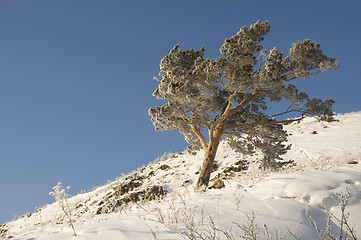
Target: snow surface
pixel 322 152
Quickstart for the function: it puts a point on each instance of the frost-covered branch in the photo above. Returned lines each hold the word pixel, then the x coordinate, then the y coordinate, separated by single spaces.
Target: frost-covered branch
pixel 247 125
pixel 61 196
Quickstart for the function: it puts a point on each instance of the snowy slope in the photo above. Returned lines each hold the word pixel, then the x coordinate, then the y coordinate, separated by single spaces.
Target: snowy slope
pixel 132 206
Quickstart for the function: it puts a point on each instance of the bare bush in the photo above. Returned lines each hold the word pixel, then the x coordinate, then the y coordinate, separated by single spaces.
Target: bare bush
pixel 346 232
pixel 61 196
pixel 193 223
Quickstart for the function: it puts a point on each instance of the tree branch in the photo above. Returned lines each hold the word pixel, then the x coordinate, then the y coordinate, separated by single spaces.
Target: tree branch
pixel 287 111
pixel 221 82
pixel 196 131
pixel 198 116
pixel 200 136
pixel 244 125
pixel 226 111
pixel 219 122
pixel 244 102
pixel 234 132
pixel 260 65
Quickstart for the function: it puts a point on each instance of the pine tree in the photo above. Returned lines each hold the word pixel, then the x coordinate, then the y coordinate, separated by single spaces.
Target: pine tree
pixel 227 97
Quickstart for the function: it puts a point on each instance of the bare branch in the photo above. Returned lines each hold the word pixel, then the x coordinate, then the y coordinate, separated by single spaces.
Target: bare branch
pixel 226 111
pixel 234 133
pixel 287 111
pixel 244 102
pixel 189 109
pixel 221 81
pixel 245 125
pixel 200 136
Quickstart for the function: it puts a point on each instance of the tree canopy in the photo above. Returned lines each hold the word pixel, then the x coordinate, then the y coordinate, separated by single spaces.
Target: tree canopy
pixel 229 95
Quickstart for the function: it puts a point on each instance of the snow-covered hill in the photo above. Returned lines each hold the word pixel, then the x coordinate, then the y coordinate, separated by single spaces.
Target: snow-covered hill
pixel 158 201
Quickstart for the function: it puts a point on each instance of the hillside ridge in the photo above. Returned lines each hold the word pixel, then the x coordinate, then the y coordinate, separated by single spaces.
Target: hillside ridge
pixel 316 146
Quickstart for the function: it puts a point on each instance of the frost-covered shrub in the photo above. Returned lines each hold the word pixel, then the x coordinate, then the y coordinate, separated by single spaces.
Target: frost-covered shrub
pixel 61 196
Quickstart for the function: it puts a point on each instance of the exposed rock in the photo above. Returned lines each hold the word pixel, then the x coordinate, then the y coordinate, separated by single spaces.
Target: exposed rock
pixel 116 203
pixel 353 162
pixel 154 193
pixel 164 167
pixel 237 167
pixel 3 232
pixel 215 167
pixel 187 182
pixel 218 184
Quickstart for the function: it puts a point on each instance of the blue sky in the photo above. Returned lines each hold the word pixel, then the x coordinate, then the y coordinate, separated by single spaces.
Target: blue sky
pixel 76 80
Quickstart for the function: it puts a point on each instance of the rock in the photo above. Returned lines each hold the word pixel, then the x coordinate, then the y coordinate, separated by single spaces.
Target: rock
pixel 353 162
pixel 164 167
pixel 154 192
pixel 187 182
pixel 218 184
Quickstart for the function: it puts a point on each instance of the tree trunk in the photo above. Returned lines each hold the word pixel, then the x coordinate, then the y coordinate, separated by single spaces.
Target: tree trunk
pixel 207 165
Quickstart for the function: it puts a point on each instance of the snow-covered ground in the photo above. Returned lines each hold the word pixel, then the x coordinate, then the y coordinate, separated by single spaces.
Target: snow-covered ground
pixel 322 154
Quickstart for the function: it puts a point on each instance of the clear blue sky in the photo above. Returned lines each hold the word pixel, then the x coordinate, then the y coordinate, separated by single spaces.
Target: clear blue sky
pixel 76 80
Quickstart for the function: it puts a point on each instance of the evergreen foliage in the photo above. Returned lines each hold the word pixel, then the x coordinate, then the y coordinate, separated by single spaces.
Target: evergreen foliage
pixel 228 96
